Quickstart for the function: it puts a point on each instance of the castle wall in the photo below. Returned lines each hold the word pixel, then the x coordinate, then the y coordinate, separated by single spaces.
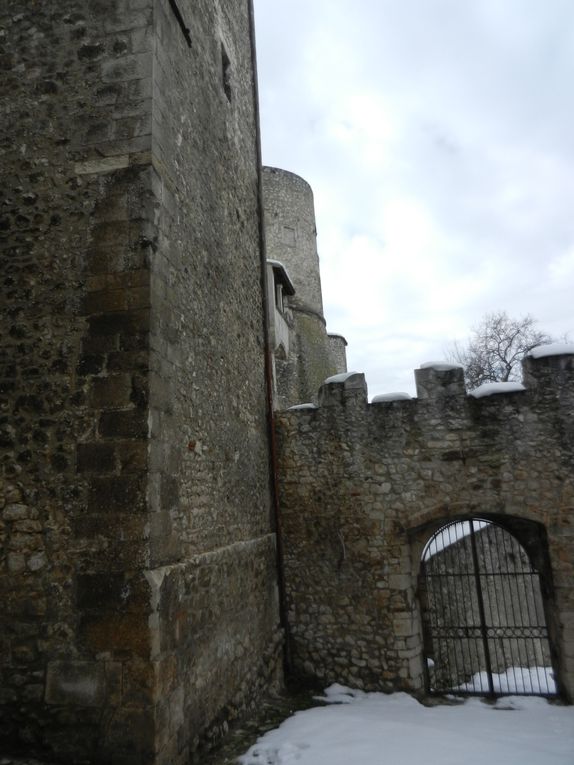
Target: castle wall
pixel 75 138
pixel 212 546
pixel 364 486
pixel 137 560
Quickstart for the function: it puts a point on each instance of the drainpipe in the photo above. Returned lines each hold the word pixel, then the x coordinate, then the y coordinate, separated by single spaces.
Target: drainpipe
pixel 276 519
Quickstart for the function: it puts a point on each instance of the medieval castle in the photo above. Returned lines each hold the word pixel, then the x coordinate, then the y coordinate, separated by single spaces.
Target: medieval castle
pixel 168 524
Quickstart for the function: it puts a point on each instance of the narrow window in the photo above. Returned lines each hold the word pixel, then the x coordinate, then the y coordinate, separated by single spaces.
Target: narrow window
pixel 279 297
pixel 226 73
pixel 183 26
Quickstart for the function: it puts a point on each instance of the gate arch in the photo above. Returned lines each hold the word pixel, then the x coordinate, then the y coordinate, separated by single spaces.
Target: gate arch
pixel 483 615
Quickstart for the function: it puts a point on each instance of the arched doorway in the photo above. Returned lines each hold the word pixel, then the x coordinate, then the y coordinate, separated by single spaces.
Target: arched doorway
pixel 484 626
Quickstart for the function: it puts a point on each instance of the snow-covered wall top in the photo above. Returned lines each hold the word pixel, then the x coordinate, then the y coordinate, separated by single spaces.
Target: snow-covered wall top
pixel 548 368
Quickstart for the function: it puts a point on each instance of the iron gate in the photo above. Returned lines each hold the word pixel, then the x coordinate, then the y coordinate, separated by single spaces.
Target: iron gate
pixel 483 615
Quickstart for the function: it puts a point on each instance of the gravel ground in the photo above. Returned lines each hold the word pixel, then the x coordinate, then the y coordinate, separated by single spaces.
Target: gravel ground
pixel 242 734
pixel 271 713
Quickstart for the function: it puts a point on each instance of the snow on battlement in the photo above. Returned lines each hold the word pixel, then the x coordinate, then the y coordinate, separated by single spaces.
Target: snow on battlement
pixel 547 371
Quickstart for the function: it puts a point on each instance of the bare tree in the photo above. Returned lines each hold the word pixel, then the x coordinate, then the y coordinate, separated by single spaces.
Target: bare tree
pixel 496 347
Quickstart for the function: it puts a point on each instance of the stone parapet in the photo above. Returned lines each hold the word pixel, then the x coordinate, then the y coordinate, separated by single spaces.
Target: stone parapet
pixel 364 486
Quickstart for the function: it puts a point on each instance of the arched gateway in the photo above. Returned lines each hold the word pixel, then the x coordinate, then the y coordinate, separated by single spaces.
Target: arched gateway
pixel 484 624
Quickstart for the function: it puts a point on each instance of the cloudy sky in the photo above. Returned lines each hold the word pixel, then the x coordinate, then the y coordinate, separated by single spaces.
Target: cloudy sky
pixel 438 137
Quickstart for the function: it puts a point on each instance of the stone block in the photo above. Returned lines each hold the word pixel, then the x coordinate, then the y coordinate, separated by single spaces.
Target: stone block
pixel 16 562
pixel 116 633
pixel 135 66
pixel 133 456
pixel 90 364
pixel 130 736
pixel 123 323
pixel 435 382
pixel 16 512
pixel 111 592
pixel 96 457
pixel 337 390
pixel 128 360
pixel 123 424
pixel 104 301
pixel 112 392
pixel 77 683
pixel 400 581
pixel 113 494
pixel 102 165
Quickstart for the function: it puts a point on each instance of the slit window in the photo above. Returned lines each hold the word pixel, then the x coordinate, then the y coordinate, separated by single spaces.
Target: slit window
pixel 226 73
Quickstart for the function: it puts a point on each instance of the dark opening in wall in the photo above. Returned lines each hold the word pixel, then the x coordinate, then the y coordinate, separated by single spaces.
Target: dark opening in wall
pixel 226 73
pixel 484 614
pixel 183 26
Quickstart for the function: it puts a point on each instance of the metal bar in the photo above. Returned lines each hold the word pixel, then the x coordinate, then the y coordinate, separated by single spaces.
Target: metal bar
pixel 453 607
pixel 494 559
pixel 481 609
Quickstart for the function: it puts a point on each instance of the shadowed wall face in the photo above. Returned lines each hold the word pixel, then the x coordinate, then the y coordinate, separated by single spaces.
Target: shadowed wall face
pixel 210 501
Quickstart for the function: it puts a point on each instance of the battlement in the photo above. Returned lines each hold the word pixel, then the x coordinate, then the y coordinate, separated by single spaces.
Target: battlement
pixel 363 485
pixel 547 373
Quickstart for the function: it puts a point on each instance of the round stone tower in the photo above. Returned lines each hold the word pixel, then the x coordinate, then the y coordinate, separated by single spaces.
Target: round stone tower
pixel 291 240
pixel 291 234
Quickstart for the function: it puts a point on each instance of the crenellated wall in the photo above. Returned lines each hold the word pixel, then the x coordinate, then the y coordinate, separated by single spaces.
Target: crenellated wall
pixel 138 570
pixel 363 487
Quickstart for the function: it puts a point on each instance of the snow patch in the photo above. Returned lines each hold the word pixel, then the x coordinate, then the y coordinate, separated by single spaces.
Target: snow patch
pixel 396 396
pixel 440 366
pixel 514 680
pixel 340 694
pixel 360 728
pixel 302 406
pixel 341 377
pixel 552 349
pixel 493 388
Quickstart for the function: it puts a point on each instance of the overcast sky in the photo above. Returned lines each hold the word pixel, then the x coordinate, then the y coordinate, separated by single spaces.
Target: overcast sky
pixel 438 137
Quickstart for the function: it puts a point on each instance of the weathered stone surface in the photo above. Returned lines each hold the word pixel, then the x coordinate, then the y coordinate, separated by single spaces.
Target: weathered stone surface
pixel 77 683
pixel 363 487
pixel 133 327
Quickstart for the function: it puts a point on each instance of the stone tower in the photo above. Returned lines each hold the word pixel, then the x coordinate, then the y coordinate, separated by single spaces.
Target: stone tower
pixel 291 241
pixel 137 558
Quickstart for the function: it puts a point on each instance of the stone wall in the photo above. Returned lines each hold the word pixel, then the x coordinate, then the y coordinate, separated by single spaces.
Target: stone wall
pixel 137 559
pixel 212 547
pixel 364 486
pixel 75 142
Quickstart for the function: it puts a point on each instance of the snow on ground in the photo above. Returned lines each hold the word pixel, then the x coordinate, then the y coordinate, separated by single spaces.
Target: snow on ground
pixel 358 728
pixel 515 680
